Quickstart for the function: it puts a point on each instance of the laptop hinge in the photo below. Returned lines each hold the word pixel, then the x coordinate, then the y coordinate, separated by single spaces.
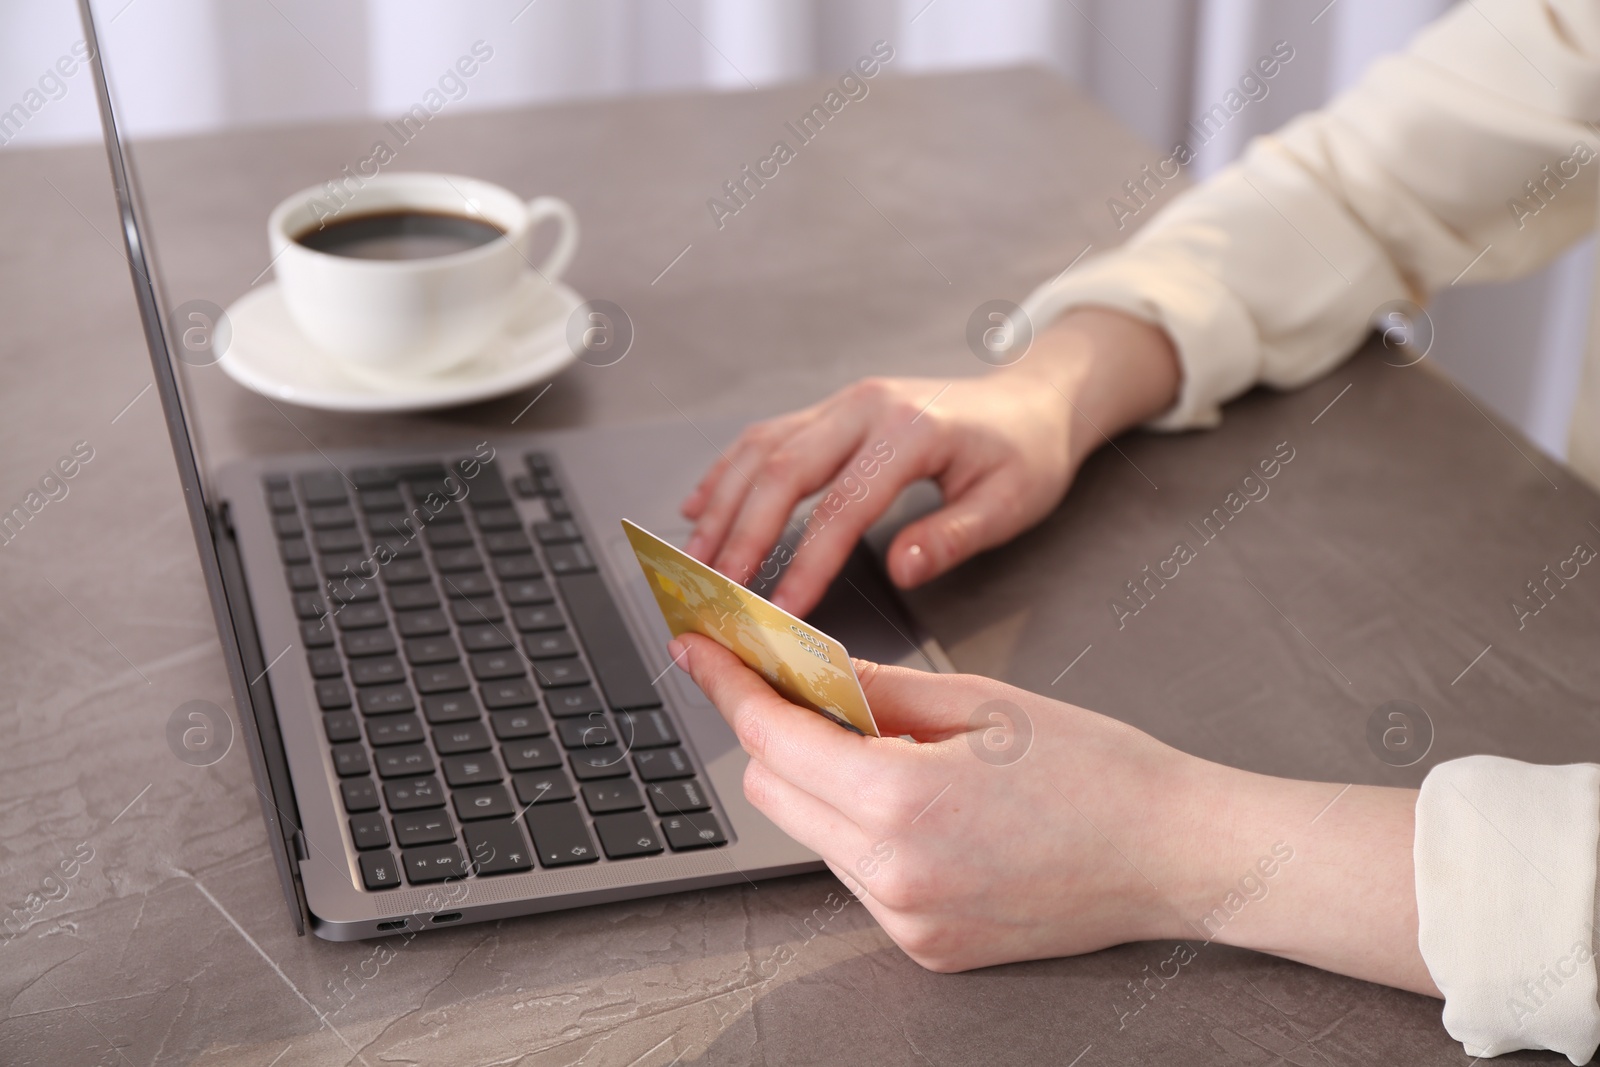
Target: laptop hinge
pixel 258 716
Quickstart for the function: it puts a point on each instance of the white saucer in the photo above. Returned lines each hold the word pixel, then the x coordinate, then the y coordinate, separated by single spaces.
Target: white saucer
pixel 269 355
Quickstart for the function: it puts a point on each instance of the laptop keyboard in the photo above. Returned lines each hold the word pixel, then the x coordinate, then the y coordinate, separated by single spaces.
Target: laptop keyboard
pixel 478 687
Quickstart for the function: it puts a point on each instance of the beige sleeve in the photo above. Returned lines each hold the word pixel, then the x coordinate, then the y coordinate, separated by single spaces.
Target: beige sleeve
pixel 1272 270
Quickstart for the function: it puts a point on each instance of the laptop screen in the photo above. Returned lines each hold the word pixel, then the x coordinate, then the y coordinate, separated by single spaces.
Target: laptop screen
pixel 229 607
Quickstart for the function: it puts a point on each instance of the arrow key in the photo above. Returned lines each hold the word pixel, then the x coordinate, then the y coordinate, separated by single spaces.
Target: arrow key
pixel 628 834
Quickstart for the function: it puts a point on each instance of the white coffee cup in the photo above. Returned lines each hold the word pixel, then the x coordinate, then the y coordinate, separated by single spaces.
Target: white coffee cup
pixel 411 316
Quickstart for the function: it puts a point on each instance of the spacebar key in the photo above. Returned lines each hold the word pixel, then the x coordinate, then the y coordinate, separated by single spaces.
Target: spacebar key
pixel 611 650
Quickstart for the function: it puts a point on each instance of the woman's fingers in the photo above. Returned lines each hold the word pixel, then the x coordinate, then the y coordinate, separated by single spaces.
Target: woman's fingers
pixel 994 510
pixel 807 750
pixel 788 474
pixel 919 704
pixel 729 484
pixel 843 514
pixel 814 823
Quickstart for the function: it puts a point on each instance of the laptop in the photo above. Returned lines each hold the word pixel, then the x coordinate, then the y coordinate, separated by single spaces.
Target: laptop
pixel 450 676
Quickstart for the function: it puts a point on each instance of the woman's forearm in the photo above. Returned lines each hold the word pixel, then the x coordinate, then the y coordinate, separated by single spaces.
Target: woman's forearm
pixel 1316 872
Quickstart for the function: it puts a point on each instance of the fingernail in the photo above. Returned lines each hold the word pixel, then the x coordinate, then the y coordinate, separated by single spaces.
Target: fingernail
pixel 678 651
pixel 696 545
pixel 915 566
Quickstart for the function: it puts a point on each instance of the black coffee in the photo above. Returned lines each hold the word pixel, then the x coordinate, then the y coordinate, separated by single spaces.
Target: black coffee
pixel 400 235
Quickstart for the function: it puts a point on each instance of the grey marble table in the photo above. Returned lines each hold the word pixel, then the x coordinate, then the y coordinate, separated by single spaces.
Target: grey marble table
pixel 143 920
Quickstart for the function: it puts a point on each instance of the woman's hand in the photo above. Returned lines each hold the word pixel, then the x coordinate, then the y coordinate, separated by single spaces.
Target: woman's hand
pixel 1017 827
pixel 1003 450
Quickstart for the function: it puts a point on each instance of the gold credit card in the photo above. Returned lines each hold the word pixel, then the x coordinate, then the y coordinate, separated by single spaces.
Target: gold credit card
pixel 802 663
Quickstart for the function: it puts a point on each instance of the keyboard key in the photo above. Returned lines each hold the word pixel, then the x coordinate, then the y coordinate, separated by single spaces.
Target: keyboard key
pixel 362 617
pixel 498 518
pixel 474 610
pixel 557 533
pixel 413 597
pixel 478 769
pixel 381 500
pixel 545 617
pixel 423 828
pixel 346 539
pixel 507 543
pixel 524 722
pixel 548 485
pixel 400 762
pixel 569 559
pixel 497 847
pixel 646 729
pixel 483 802
pixel 377 670
pixel 600 763
pixel 458 559
pixel 341 565
pixel 280 500
pixel 350 760
pixel 325 663
pixel 627 835
pixel 469 583
pixel 511 693
pixel 424 650
pixel 394 730
pixel 368 643
pixel 678 798
pixel 591 731
pixel 464 737
pixel 330 516
pixel 451 707
pixel 605 638
pixel 434 864
pixel 549 645
pixel 578 700
pixel 485 638
pixel 403 571
pixel 322 487
pixel 441 678
pixel 448 536
pixel 555 673
pixel 333 694
pixel 524 486
pixel 422 623
pixel 368 831
pixel 489 666
pixel 385 700
pixel 316 634
pixel 542 787
pixel 287 526
pixel 341 726
pixel 379 871
pixel 560 835
pixel 516 568
pixel 310 605
pixel 295 550
pixel 303 578
pixel 616 795
pixel 693 831
pixel 659 764
pixel 360 794
pixel 558 507
pixel 536 755
pixel 413 793
pixel 539 463
pixel 351 590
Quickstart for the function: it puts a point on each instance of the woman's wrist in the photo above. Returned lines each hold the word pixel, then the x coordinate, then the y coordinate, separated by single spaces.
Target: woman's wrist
pixel 1317 872
pixel 1116 371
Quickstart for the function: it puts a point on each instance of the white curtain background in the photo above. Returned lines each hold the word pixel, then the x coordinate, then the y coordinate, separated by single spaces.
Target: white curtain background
pixel 187 66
